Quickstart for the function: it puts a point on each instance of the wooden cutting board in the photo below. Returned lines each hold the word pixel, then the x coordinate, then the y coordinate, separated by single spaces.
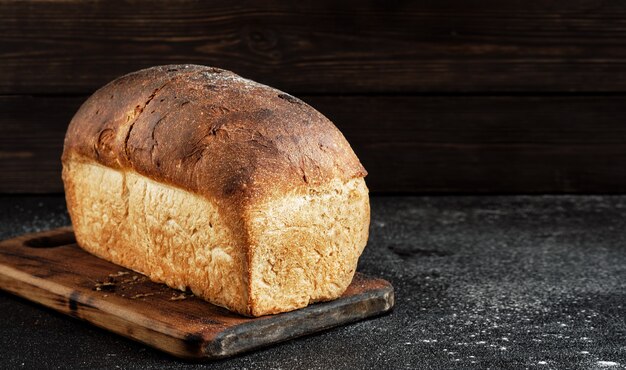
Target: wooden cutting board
pixel 50 269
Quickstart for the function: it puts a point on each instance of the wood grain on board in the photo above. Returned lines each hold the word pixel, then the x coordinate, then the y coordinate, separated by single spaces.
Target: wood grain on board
pixel 450 96
pixel 321 46
pixel 50 269
pixel 410 144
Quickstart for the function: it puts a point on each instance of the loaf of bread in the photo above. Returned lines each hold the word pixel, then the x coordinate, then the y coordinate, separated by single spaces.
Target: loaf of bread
pixel 204 180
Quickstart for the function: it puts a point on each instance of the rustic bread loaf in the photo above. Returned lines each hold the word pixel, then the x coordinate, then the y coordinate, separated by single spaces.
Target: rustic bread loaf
pixel 201 179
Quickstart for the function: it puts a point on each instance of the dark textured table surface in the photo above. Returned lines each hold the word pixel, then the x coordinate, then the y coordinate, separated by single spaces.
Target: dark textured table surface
pixel 500 282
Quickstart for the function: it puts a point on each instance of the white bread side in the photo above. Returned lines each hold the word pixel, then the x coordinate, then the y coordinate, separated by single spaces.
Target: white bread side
pixel 282 254
pixel 305 248
pixel 170 235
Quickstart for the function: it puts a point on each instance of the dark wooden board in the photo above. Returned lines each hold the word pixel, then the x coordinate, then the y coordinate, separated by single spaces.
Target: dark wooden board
pixel 479 144
pixel 50 269
pixel 321 46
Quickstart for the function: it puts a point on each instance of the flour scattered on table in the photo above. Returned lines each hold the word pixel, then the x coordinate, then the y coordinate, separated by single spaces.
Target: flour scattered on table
pixel 141 295
pixel 181 297
pixel 107 286
pixel 119 273
pixel 607 363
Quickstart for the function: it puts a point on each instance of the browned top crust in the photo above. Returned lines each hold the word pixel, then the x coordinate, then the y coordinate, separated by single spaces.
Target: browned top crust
pixel 210 131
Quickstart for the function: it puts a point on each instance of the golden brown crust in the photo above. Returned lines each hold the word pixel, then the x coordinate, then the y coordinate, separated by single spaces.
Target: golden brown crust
pixel 211 132
pixel 254 153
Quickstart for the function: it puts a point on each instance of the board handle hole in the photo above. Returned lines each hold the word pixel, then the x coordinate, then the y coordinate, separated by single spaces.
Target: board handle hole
pixel 51 241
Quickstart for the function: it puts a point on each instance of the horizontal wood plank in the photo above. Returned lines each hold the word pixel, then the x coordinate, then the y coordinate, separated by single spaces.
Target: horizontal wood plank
pixel 31 141
pixel 408 144
pixel 321 46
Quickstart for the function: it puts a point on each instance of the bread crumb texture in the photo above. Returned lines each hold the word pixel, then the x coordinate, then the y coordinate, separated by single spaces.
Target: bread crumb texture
pixel 305 249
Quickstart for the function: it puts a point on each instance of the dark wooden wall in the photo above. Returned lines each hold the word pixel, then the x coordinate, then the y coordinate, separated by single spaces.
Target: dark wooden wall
pixel 437 96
